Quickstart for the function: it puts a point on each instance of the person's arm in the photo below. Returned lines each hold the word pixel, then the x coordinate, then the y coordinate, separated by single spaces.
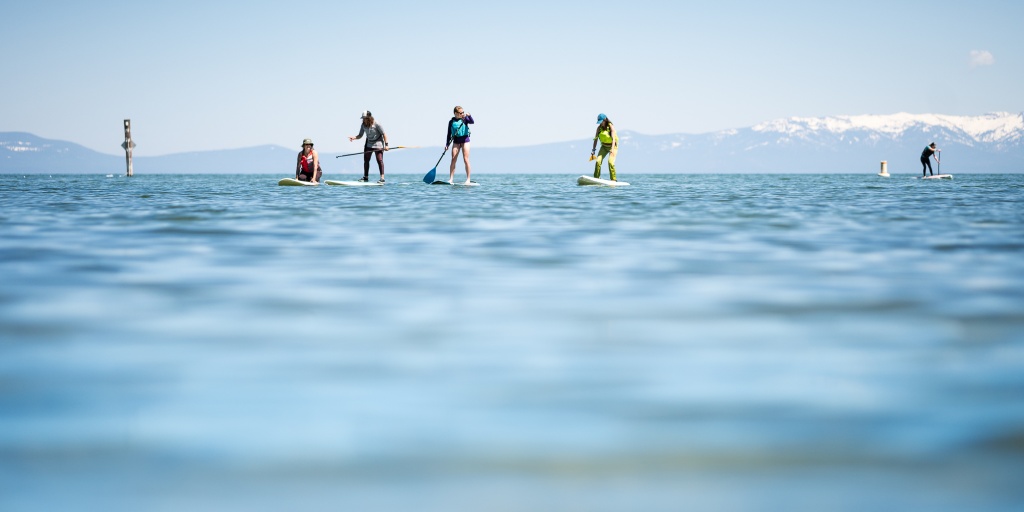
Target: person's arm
pixel 615 136
pixel 468 119
pixel 383 136
pixel 594 147
pixel 316 165
pixel 361 128
pixel 448 140
pixel 298 165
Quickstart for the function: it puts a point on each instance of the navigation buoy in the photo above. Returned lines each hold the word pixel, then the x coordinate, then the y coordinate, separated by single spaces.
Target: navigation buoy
pixel 128 145
pixel 885 170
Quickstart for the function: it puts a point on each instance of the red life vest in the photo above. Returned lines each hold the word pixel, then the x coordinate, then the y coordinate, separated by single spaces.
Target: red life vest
pixel 307 163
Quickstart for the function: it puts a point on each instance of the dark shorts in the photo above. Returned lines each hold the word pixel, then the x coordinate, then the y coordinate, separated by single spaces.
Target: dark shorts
pixel 302 176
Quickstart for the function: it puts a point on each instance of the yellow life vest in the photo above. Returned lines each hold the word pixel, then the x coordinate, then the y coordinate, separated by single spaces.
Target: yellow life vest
pixel 606 137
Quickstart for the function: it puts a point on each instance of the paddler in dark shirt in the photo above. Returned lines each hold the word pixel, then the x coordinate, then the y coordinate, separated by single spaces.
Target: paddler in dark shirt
pixel 926 163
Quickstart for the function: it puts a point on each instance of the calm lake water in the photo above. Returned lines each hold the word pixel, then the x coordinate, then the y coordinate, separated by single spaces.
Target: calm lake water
pixel 690 342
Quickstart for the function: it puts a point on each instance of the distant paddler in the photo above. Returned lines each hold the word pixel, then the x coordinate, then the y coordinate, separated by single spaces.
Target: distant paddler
pixel 458 139
pixel 926 155
pixel 376 144
pixel 609 145
pixel 307 167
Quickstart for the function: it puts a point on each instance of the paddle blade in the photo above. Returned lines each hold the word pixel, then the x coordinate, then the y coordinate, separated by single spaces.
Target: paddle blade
pixel 429 178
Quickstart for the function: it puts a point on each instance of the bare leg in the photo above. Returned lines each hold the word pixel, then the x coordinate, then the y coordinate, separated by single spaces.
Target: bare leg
pixel 465 159
pixel 455 156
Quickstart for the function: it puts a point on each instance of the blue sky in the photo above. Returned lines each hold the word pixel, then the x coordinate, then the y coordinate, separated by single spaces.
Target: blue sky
pixel 196 76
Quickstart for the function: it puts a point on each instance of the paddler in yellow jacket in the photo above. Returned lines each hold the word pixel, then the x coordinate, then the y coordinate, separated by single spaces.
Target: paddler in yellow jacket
pixel 609 145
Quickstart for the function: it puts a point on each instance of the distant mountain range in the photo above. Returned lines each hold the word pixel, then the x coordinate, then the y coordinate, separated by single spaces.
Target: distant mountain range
pixel 841 144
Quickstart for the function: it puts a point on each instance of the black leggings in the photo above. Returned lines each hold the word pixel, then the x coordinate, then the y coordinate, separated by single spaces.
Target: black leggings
pixel 366 160
pixel 926 165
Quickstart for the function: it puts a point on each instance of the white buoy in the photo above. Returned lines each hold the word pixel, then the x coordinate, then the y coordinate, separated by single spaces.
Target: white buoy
pixel 885 170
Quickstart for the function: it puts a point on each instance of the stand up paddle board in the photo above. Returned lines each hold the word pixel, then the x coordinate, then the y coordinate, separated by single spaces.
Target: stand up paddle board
pixel 456 184
pixel 292 182
pixel 354 183
pixel 590 180
pixel 938 177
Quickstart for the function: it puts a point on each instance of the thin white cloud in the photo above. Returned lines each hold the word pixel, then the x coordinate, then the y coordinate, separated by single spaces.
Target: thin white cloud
pixel 982 58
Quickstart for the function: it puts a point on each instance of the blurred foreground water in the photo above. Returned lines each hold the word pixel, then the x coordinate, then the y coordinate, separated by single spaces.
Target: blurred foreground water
pixel 690 342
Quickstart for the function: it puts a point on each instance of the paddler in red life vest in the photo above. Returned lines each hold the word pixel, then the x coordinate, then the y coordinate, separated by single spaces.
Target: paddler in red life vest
pixel 307 162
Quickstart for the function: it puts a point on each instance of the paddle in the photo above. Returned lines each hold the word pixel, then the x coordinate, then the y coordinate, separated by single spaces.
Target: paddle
pixel 429 178
pixel 372 150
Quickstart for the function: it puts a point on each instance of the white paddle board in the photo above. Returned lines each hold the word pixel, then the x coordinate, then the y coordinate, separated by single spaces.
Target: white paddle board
pixel 590 180
pixel 292 182
pixel 938 177
pixel 456 184
pixel 354 183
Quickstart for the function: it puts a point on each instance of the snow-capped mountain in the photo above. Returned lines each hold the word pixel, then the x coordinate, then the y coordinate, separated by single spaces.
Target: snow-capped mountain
pixel 1000 128
pixel 987 143
pixel 846 144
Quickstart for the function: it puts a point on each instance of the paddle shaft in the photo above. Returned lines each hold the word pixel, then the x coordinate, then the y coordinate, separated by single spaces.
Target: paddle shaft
pixel 439 159
pixel 372 150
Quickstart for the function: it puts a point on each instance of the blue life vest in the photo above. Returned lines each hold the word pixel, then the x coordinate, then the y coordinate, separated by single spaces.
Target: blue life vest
pixel 460 129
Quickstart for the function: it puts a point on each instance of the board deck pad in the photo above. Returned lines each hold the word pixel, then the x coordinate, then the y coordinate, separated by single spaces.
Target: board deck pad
pixel 938 177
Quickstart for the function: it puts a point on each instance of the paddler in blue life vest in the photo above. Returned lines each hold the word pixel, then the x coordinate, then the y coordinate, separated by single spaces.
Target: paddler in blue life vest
pixel 609 145
pixel 926 163
pixel 458 139
pixel 307 167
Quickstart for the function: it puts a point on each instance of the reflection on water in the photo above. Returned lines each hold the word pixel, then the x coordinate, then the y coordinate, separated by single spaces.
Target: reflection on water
pixel 689 342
